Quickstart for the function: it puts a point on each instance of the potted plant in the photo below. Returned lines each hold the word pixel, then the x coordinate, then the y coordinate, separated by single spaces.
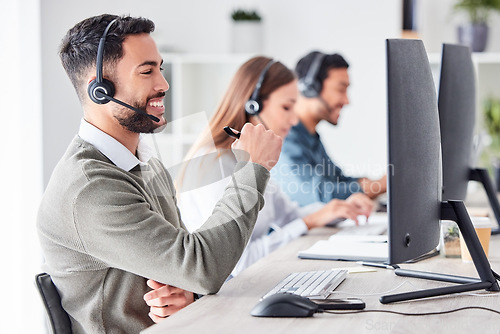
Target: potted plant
pixel 491 110
pixel 246 31
pixel 474 33
pixel 450 239
pixel 243 15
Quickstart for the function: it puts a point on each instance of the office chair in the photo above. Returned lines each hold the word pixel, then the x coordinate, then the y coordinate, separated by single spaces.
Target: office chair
pixel 58 318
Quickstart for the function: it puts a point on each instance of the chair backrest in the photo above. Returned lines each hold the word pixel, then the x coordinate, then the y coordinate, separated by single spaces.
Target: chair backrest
pixel 58 318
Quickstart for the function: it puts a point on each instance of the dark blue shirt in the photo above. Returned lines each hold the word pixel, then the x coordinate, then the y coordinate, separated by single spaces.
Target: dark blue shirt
pixel 306 173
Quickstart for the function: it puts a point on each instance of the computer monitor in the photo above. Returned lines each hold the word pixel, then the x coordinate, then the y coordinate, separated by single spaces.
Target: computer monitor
pixel 414 178
pixel 414 175
pixel 457 114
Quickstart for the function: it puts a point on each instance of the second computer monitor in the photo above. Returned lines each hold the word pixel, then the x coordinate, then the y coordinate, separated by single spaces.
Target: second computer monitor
pixel 457 113
pixel 457 105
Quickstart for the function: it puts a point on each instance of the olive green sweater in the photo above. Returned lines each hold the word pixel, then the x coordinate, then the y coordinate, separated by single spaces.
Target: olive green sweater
pixel 105 231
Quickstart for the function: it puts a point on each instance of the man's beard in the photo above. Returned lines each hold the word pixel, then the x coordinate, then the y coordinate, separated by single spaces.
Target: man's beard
pixel 134 121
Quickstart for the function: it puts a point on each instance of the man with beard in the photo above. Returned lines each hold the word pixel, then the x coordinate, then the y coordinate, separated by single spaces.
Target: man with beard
pixel 108 220
pixel 305 171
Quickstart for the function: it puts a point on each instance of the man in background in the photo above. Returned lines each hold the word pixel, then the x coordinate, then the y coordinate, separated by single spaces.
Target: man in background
pixel 305 171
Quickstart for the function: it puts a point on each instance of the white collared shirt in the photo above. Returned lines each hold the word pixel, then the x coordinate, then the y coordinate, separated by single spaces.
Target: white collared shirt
pixel 113 149
pixel 279 221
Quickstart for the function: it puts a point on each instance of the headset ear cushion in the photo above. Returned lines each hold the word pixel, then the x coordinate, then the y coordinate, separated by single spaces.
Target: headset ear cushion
pixel 253 107
pixel 105 87
pixel 309 89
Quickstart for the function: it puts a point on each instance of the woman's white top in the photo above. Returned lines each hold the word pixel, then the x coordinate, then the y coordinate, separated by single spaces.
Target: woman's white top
pixel 203 184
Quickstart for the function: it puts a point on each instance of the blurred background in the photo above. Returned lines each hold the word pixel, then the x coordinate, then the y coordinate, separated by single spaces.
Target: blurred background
pixel 202 46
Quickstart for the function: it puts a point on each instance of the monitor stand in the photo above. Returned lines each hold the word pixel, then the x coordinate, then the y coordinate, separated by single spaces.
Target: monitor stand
pixel 453 210
pixel 481 175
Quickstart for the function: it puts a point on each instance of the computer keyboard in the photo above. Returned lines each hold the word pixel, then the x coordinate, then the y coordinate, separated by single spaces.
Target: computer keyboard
pixel 312 284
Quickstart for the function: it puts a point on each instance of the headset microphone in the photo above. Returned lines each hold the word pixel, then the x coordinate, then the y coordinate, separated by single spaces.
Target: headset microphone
pixel 101 90
pixel 99 93
pixel 323 102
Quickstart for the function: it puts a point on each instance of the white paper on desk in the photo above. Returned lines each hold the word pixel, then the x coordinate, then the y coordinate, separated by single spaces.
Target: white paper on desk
pixel 348 249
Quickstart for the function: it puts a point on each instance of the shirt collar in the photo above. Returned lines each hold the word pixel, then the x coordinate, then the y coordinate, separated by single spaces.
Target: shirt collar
pixel 113 149
pixel 300 132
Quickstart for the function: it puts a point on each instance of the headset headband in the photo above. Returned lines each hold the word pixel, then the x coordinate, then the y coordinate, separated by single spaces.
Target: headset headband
pixel 100 53
pixel 314 68
pixel 255 94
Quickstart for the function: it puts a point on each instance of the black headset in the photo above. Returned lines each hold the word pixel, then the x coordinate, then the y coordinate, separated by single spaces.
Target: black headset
pixel 254 105
pixel 99 84
pixel 100 90
pixel 309 86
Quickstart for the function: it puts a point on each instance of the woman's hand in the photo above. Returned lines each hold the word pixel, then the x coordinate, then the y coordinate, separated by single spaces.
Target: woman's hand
pixel 356 205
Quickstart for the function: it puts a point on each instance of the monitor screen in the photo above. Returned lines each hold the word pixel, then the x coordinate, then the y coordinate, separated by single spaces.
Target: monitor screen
pixel 457 105
pixel 414 170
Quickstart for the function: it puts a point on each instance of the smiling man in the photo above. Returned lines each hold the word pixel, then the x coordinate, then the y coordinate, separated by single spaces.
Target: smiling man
pixel 108 220
pixel 305 171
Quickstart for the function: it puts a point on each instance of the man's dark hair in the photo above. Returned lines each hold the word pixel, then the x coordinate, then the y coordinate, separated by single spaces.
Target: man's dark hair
pixel 328 62
pixel 78 51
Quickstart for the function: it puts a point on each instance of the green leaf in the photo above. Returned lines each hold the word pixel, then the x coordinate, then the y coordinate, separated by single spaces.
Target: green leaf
pixel 477 10
pixel 243 15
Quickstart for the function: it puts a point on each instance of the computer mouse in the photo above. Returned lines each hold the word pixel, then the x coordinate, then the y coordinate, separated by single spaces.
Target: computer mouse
pixel 284 305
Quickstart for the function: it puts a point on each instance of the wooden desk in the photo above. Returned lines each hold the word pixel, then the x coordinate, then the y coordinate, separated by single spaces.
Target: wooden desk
pixel 229 310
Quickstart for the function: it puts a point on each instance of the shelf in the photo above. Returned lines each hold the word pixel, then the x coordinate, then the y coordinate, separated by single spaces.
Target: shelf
pixel 197 84
pixel 479 58
pixel 486 58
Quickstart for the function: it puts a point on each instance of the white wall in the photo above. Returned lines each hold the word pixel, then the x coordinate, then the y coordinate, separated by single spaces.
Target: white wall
pixel 357 29
pixel 21 167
